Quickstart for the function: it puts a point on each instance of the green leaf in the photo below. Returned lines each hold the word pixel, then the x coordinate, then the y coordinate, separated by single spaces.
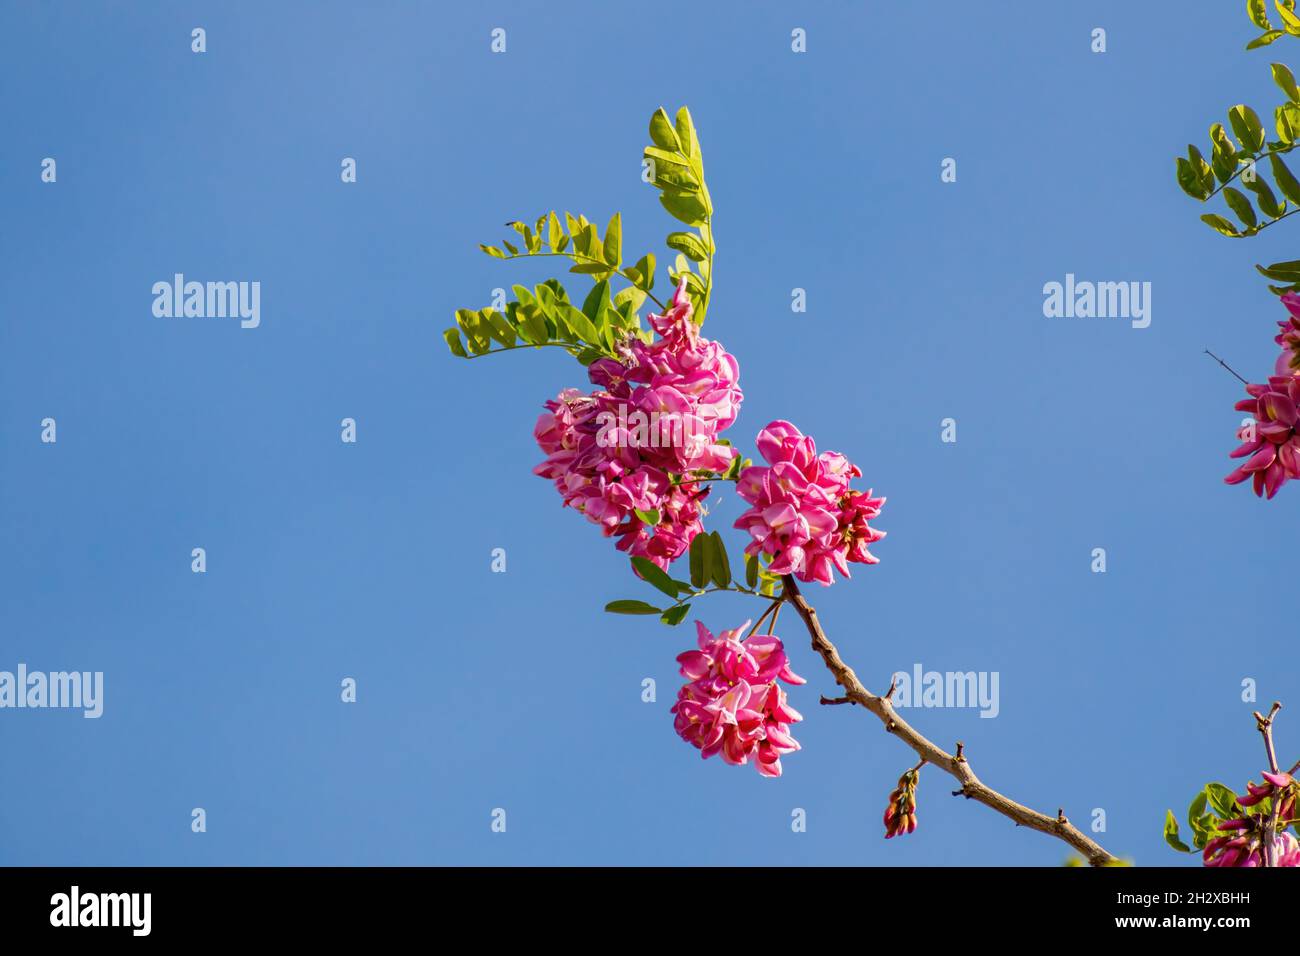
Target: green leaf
pixel 699 554
pixel 751 570
pixel 1171 834
pixel 585 329
pixel 676 177
pixel 475 329
pixel 655 575
pixel 663 157
pixel 555 233
pixel 1249 130
pixel 1241 206
pixel 1264 197
pixel 1189 180
pixel 1289 19
pixel 1265 39
pixel 1202 168
pixel 1222 800
pixel 631 294
pixel 1220 225
pixel 614 241
pixel 492 251
pixel 597 301
pixel 687 207
pixel 1285 80
pixel 1258 13
pixel 452 338
pixel 498 327
pixel 688 244
pixel 661 131
pixel 533 326
pixel 1286 182
pixel 1224 157
pixel 674 615
pixel 720 566
pixel 690 143
pixel 1196 809
pixel 631 607
pixel 650 517
pixel 645 268
pixel 591 269
pixel 1288 271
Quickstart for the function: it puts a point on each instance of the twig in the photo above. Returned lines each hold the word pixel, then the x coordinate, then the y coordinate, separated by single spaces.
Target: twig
pixel 971 787
pixel 1227 366
pixel 1265 726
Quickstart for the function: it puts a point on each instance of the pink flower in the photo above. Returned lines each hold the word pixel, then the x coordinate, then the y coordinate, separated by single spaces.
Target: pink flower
pixel 633 444
pixel 1270 441
pixel 804 515
pixel 1245 848
pixel 1241 840
pixel 731 703
pixel 1288 337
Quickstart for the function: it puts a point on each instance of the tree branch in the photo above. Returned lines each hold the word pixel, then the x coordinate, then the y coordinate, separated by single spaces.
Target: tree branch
pixel 1265 725
pixel 958 766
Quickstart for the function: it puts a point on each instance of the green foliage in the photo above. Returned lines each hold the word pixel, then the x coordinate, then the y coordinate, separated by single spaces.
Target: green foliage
pixel 631 607
pixel 608 315
pixel 1171 833
pixel 1257 10
pixel 544 315
pixel 674 615
pixel 1287 273
pixel 1212 805
pixel 658 577
pixel 1236 160
pixel 676 167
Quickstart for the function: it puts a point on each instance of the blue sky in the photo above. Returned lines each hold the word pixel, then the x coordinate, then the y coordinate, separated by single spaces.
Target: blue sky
pixel 477 690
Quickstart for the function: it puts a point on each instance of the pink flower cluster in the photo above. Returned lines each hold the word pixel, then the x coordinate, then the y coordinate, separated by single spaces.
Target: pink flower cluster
pixel 1271 440
pixel 1243 843
pixel 654 418
pixel 1270 444
pixel 1288 336
pixel 804 514
pixel 732 704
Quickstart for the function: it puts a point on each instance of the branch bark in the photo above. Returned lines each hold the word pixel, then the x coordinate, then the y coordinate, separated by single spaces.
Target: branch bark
pixel 956 765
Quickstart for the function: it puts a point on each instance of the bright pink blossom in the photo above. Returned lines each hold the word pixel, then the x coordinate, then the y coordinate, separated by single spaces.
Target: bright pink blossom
pixel 653 421
pixel 732 704
pixel 1241 841
pixel 805 515
pixel 1288 337
pixel 1271 441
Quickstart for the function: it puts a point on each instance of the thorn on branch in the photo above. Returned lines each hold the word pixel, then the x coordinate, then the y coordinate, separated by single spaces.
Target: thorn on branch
pixel 1061 820
pixel 893 686
pixel 961 755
